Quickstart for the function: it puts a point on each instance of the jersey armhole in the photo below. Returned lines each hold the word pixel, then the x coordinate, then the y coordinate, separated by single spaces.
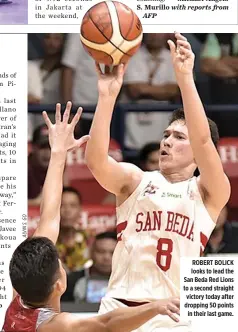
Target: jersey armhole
pixel 136 191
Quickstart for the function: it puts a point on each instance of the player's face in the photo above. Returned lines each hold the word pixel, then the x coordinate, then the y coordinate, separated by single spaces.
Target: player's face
pixel 175 149
pixel 70 208
pixel 102 255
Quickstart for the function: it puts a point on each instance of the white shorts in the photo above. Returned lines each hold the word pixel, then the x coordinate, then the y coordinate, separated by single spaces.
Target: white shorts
pixel 157 324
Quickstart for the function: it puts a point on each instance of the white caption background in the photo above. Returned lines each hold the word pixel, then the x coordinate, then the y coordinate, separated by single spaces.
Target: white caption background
pixel 156 12
pixel 209 293
pixel 13 95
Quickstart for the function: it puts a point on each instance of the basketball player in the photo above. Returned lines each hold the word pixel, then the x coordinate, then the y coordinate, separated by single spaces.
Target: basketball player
pixel 161 215
pixel 37 274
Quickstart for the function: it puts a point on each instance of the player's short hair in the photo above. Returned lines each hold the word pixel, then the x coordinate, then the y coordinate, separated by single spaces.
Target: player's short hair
pixel 178 114
pixel 73 191
pixel 147 149
pixel 34 268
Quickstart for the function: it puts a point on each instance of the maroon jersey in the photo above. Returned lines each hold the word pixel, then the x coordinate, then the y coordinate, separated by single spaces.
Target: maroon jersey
pixel 20 318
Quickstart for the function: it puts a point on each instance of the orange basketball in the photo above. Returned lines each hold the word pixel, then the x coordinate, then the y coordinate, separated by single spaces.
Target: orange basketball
pixel 111 32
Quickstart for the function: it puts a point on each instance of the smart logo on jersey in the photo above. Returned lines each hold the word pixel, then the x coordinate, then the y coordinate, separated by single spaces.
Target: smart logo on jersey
pixel 150 189
pixel 171 195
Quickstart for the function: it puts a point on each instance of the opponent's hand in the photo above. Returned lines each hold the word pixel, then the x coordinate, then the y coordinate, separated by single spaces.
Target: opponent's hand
pixel 169 307
pixel 109 84
pixel 61 134
pixel 182 56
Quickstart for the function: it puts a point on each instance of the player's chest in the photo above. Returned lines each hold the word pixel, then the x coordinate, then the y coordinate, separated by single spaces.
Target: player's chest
pixel 162 209
pixel 164 197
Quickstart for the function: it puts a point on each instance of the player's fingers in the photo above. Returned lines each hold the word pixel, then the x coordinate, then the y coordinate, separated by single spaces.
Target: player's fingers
pixel 46 119
pixel 115 70
pixel 186 52
pixel 172 47
pixel 173 308
pixel 58 113
pixel 98 69
pixel 179 36
pixel 82 140
pixel 67 112
pixel 184 43
pixel 76 118
pixel 176 301
pixel 172 316
pixel 121 71
pixel 125 67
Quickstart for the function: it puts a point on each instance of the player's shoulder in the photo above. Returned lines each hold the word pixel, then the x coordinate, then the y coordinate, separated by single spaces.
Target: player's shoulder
pixel 132 170
pixel 59 322
pixel 133 174
pixel 71 323
pixel 206 196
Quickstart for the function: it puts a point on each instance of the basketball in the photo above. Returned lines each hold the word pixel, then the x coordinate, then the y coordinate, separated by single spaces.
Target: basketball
pixel 111 32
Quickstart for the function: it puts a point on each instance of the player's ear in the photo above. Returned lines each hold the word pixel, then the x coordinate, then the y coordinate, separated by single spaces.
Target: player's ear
pixel 59 286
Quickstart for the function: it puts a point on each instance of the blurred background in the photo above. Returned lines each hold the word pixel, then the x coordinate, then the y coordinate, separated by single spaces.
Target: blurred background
pixel 60 70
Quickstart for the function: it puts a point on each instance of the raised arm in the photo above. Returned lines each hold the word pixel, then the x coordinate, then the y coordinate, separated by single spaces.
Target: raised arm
pixel 61 138
pixel 119 320
pixel 213 183
pixel 115 177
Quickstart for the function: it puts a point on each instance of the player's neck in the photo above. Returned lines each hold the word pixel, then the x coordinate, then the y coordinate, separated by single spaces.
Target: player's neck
pixel 54 303
pixel 174 177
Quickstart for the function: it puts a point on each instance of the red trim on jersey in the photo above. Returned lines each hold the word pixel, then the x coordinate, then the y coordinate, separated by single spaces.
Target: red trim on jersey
pixel 130 303
pixel 18 318
pixel 120 228
pixel 203 241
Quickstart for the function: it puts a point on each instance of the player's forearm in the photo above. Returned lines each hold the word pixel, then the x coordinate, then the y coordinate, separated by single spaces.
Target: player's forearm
pixel 97 147
pixel 128 319
pixel 198 128
pixel 51 196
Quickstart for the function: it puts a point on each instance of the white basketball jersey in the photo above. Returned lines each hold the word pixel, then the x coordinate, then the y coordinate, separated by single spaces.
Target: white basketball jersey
pixel 159 223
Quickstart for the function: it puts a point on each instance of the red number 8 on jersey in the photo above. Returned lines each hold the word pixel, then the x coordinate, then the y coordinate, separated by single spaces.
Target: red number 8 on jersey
pixel 164 249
